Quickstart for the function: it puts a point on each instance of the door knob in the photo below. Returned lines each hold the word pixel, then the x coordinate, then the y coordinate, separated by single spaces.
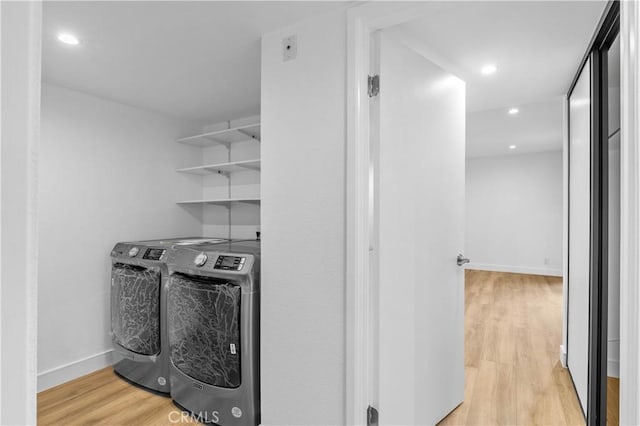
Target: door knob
pixel 462 260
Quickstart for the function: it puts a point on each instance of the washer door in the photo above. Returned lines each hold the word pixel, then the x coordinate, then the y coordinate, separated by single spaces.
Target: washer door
pixel 204 329
pixel 135 308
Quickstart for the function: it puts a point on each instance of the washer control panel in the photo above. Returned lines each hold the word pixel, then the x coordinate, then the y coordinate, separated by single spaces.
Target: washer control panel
pixel 230 263
pixel 154 254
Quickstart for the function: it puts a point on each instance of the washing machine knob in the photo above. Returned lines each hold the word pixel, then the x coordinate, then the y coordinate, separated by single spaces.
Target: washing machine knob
pixel 200 259
pixel 134 252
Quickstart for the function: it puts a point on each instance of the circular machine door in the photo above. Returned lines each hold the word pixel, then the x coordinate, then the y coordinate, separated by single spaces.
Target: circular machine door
pixel 135 308
pixel 204 329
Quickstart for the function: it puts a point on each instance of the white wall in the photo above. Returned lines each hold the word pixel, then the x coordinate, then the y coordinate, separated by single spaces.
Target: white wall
pixel 107 174
pixel 514 213
pixel 21 24
pixel 303 224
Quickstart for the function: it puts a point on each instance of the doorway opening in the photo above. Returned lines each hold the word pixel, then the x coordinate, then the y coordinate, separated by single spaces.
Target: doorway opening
pixel 516 172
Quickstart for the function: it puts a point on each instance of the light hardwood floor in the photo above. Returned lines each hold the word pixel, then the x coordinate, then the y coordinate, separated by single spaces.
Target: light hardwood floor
pixel 513 327
pixel 103 398
pixel 513 330
pixel 613 401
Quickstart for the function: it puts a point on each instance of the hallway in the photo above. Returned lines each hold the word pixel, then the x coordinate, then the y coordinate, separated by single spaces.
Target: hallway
pixel 513 330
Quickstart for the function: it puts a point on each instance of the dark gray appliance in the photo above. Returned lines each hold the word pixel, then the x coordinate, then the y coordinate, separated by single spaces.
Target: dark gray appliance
pixel 213 308
pixel 138 309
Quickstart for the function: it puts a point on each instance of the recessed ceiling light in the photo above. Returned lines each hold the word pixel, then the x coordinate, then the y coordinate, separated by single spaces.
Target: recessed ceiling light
pixel 488 69
pixel 512 147
pixel 67 38
pixel 514 111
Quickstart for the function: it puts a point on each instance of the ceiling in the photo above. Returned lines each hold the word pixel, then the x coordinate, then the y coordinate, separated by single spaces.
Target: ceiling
pixel 537 127
pixel 201 60
pixel 537 47
pixel 193 60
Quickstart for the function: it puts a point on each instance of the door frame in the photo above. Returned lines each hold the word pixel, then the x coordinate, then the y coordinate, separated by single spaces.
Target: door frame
pixel 20 66
pixel 630 213
pixel 361 21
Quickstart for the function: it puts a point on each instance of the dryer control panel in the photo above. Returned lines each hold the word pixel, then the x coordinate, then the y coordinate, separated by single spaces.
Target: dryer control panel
pixel 154 254
pixel 230 263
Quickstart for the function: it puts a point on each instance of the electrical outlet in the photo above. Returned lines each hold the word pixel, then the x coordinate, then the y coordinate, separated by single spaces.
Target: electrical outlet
pixel 546 260
pixel 289 48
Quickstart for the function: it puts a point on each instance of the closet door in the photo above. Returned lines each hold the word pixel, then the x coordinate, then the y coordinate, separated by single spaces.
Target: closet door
pixel 579 232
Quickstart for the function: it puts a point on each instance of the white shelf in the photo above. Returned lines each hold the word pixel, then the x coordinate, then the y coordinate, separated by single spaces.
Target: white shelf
pixel 225 137
pixel 233 166
pixel 222 201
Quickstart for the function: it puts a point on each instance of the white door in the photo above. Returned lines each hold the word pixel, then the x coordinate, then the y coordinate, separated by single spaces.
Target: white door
pixel 419 193
pixel 579 232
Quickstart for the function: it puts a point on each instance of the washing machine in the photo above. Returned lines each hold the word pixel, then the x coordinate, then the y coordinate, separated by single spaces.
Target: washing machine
pixel 213 309
pixel 138 309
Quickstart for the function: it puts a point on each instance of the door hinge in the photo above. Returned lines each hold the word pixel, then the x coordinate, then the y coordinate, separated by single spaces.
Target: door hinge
pixel 372 416
pixel 373 83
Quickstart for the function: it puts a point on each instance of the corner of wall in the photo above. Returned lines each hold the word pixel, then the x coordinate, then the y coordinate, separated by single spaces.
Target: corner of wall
pixel 64 373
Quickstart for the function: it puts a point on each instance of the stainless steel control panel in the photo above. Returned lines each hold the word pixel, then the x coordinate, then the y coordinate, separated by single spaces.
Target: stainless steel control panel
pixel 230 263
pixel 154 254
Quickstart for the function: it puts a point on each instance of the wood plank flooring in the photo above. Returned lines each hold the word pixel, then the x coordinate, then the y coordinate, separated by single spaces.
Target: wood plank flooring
pixel 613 401
pixel 103 398
pixel 513 328
pixel 513 331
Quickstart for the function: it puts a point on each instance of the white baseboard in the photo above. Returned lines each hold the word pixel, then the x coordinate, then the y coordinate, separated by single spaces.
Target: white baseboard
pixel 73 370
pixel 563 356
pixel 613 368
pixel 515 269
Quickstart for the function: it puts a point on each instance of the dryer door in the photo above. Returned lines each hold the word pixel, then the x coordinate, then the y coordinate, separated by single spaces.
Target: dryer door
pixel 135 308
pixel 204 329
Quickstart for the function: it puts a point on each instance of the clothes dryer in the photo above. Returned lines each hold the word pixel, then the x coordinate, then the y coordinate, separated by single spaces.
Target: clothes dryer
pixel 213 310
